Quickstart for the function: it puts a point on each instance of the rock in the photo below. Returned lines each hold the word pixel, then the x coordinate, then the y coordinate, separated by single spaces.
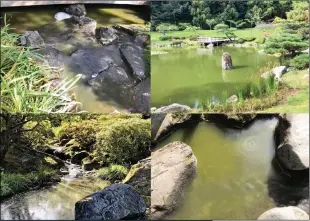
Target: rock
pixel 115 202
pixel 153 109
pixel 107 35
pixel 142 39
pixel 54 57
pixel 133 55
pixel 32 39
pixel 232 99
pixel 142 97
pixel 173 108
pixel 173 168
pixel 77 10
pixel 91 165
pixel 156 120
pixel 139 177
pixel 304 205
pixel 305 51
pixel 277 72
pixel 210 45
pixel 226 61
pixel 293 141
pixel 62 155
pixel 63 142
pixel 87 25
pixel 284 213
pixel 78 157
pixel 59 16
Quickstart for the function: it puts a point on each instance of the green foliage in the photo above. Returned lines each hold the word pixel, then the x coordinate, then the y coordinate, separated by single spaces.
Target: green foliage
pixel 249 38
pixel 126 141
pixel 285 43
pixel 278 20
pixel 112 173
pixel 300 61
pixel 167 27
pixel 24 87
pixel 240 40
pixel 300 12
pixel 260 40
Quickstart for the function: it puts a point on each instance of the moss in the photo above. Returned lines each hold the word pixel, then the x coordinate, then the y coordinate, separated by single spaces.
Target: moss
pixel 50 161
pixel 112 173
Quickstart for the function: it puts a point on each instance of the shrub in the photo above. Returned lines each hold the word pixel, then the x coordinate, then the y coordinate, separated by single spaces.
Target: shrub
pixel 167 27
pixel 112 173
pixel 249 38
pixel 260 40
pixel 164 38
pixel 300 62
pixel 278 20
pixel 83 132
pixel 126 141
pixel 240 40
pixel 220 26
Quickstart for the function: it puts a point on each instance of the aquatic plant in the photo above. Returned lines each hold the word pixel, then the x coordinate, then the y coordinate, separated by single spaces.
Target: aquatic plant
pixel 24 86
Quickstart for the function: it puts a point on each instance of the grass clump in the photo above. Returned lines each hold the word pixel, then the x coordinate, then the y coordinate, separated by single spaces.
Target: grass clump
pixel 112 173
pixel 24 86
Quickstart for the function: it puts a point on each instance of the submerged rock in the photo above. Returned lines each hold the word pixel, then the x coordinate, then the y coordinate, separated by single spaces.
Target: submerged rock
pixel 226 61
pixel 115 202
pixel 173 108
pixel 284 213
pixel 293 141
pixel 32 39
pixel 173 168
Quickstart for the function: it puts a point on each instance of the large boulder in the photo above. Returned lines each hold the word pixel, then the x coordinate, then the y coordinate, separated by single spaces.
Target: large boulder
pixel 173 168
pixel 115 202
pixel 173 108
pixel 284 213
pixel 142 97
pixel 78 157
pixel 292 138
pixel 226 61
pixel 277 72
pixel 32 39
pixel 157 120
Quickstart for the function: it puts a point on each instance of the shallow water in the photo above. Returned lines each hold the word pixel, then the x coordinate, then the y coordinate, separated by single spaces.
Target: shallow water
pixel 232 171
pixel 32 18
pixel 53 203
pixel 194 76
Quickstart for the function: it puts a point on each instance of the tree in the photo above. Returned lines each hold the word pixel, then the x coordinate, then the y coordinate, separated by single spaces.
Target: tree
pixel 300 12
pixel 200 12
pixel 210 23
pixel 224 29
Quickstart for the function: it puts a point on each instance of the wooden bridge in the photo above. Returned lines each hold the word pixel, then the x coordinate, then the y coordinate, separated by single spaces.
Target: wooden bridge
pixel 204 41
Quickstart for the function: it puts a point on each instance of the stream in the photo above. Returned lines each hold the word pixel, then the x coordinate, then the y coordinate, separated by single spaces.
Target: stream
pixel 235 177
pixel 53 203
pixel 33 18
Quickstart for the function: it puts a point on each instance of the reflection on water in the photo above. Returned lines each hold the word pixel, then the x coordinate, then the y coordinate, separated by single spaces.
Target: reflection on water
pixel 54 203
pixel 232 171
pixel 186 75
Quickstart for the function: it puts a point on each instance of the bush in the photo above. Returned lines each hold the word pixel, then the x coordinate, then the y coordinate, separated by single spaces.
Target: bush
pixel 300 62
pixel 126 141
pixel 164 38
pixel 220 26
pixel 83 132
pixel 260 40
pixel 278 20
pixel 112 173
pixel 167 27
pixel 240 40
pixel 249 38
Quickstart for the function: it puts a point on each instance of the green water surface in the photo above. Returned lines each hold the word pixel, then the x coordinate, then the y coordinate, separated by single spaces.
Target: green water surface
pixel 195 76
pixel 232 170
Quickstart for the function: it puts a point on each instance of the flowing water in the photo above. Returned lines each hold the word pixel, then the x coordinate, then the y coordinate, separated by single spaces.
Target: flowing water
pixel 233 167
pixel 195 76
pixel 53 203
pixel 34 17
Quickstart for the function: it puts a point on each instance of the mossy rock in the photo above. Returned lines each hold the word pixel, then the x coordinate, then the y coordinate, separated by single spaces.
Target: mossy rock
pixel 139 177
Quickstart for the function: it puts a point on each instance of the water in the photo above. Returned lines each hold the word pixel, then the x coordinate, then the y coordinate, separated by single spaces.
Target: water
pixel 233 167
pixel 53 203
pixel 34 17
pixel 194 76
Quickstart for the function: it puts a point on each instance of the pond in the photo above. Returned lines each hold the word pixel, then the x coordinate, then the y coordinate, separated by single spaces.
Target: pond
pixel 195 76
pixel 53 203
pixel 106 15
pixel 235 175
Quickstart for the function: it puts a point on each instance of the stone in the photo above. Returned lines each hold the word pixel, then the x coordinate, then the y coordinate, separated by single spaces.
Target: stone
pixel 173 108
pixel 232 99
pixel 107 35
pixel 76 9
pixel 277 72
pixel 78 157
pixel 62 155
pixel 115 202
pixel 54 57
pixel 284 213
pixel 59 16
pixel 293 141
pixel 133 55
pixel 173 169
pixel 91 165
pixel 227 61
pixel 210 45
pixel 305 51
pixel 156 120
pixel 87 25
pixel 142 39
pixel 32 39
pixel 139 177
pixel 142 97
